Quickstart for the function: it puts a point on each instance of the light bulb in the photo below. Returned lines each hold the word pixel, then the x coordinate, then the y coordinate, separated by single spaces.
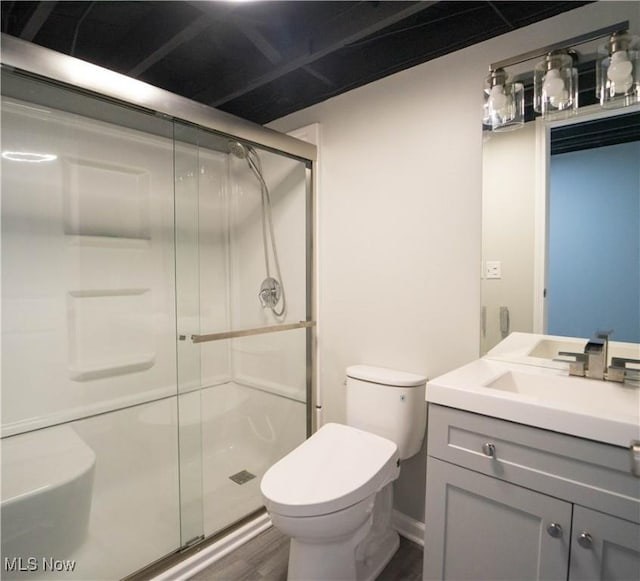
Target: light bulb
pixel 620 68
pixel 555 84
pixel 620 71
pixel 554 87
pixel 503 107
pixel 497 99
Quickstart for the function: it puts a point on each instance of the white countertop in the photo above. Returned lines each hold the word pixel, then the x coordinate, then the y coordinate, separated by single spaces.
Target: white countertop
pixel 542 396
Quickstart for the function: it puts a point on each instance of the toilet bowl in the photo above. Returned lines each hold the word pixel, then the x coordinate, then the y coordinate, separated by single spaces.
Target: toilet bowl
pixel 333 494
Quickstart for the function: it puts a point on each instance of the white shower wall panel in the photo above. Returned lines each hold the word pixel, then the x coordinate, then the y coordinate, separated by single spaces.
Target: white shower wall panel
pixel 213 228
pixel 201 260
pixel 87 268
pixel 276 362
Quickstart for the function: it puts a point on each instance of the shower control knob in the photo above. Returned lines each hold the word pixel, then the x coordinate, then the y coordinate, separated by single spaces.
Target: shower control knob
pixel 270 293
pixel 585 540
pixel 554 530
pixel 489 449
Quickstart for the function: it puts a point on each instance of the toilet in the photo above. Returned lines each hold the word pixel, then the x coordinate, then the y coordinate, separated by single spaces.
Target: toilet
pixel 333 494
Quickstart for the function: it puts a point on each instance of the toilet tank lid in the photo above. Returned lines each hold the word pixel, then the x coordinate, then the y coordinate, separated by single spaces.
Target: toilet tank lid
pixel 385 376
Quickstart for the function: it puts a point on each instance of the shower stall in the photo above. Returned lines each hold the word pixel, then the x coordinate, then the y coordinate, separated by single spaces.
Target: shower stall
pixel 157 317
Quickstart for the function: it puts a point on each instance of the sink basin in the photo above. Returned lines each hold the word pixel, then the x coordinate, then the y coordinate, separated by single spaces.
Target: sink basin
pixel 575 392
pixel 550 348
pixel 544 350
pixel 543 397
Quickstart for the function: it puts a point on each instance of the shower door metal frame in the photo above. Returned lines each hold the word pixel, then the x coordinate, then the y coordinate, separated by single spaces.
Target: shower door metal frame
pixel 60 68
pixel 45 64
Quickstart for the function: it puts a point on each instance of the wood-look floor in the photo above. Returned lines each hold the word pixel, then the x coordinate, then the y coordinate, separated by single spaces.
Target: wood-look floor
pixel 265 557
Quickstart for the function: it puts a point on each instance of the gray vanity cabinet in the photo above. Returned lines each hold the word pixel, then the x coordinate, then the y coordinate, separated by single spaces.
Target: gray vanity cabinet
pixel 604 547
pixel 506 501
pixel 483 529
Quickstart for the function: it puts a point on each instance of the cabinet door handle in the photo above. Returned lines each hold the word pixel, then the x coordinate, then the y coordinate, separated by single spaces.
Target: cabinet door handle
pixel 554 530
pixel 488 449
pixel 585 540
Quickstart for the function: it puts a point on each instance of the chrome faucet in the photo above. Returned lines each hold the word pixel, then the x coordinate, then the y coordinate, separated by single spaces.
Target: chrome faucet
pixel 593 362
pixel 596 351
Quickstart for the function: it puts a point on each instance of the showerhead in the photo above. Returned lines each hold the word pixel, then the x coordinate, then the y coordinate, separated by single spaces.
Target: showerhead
pixel 239 150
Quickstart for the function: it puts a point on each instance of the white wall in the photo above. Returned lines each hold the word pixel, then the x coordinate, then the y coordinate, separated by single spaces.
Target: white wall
pixel 400 215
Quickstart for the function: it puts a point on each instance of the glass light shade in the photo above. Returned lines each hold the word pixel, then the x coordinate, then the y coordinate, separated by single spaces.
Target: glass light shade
pixel 555 84
pixel 618 71
pixel 503 108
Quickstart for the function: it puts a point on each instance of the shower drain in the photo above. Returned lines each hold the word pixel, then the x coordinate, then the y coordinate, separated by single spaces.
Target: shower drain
pixel 242 477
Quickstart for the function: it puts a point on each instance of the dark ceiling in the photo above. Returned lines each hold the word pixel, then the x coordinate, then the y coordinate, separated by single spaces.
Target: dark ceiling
pixel 262 60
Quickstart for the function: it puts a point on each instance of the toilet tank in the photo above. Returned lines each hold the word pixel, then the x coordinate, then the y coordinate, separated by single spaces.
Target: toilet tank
pixel 388 403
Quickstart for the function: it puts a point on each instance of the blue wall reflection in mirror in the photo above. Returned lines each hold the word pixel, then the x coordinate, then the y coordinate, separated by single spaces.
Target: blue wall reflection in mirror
pixel 594 242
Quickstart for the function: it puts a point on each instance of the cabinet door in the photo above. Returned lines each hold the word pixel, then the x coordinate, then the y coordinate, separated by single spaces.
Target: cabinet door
pixel 604 547
pixel 483 529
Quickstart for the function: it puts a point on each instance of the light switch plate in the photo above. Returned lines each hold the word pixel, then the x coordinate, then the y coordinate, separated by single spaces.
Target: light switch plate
pixel 493 269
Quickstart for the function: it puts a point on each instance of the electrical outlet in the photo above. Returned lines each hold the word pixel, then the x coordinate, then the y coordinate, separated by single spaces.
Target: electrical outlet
pixel 493 269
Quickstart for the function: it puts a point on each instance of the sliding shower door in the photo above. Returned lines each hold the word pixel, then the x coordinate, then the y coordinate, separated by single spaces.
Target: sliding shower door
pixel 241 220
pixel 156 341
pixel 90 486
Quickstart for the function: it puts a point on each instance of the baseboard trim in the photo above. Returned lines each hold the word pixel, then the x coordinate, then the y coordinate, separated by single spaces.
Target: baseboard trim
pixel 408 527
pixel 214 552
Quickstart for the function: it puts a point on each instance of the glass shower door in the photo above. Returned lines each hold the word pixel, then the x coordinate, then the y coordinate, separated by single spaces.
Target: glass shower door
pixel 155 359
pixel 89 417
pixel 242 251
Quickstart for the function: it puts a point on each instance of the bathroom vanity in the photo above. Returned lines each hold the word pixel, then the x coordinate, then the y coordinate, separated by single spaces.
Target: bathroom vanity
pixel 531 475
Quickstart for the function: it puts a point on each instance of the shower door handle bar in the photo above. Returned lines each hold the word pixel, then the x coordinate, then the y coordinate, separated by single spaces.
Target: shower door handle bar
pixel 250 332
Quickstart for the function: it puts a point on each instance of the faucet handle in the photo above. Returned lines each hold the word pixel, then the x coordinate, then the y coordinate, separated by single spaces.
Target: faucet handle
pixel 576 356
pixel 619 369
pixel 577 366
pixel 624 360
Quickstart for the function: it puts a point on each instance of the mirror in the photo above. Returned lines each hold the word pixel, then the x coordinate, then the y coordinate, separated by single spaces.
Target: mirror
pixel 561 227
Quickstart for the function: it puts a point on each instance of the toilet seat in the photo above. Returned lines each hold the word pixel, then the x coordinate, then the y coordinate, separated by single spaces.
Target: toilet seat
pixel 335 468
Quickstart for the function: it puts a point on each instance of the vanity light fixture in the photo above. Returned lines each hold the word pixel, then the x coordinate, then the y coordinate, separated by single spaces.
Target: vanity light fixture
pixel 618 71
pixel 555 78
pixel 503 102
pixel 555 83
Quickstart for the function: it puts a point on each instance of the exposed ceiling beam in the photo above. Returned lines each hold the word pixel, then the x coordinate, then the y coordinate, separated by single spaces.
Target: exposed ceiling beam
pixel 38 18
pixel 370 19
pixel 76 31
pixel 501 16
pixel 192 30
pixel 259 40
pixel 322 78
pixel 270 52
